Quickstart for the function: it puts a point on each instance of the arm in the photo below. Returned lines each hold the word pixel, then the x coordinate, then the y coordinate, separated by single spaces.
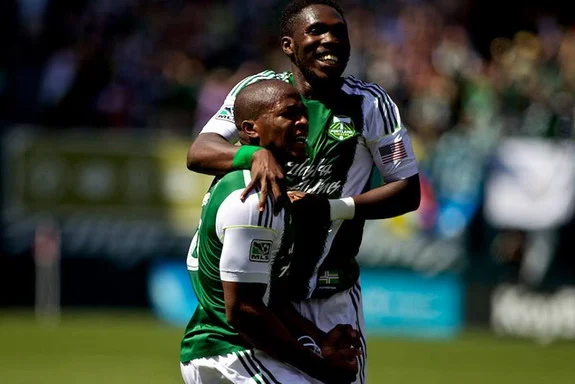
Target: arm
pixel 247 313
pixel 393 199
pixel 342 338
pixel 390 146
pixel 212 154
pixel 214 150
pixel 389 200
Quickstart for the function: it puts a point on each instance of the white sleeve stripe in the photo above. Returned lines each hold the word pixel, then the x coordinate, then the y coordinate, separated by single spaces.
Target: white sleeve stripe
pixel 251 79
pixel 250 226
pixel 377 139
pixel 244 277
pixel 390 121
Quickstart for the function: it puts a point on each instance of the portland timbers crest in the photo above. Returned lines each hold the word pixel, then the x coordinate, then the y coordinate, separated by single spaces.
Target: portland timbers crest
pixel 341 128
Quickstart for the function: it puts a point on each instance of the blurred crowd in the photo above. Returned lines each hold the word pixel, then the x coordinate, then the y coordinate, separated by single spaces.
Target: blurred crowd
pixel 465 74
pixel 167 64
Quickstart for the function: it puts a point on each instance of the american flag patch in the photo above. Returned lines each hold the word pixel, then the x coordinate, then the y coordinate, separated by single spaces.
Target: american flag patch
pixel 393 152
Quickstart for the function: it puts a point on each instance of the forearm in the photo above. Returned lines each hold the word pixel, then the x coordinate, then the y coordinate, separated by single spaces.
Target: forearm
pixel 295 322
pixel 263 329
pixel 390 200
pixel 211 154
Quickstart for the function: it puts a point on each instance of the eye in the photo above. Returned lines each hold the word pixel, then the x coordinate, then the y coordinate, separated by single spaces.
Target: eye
pixel 290 114
pixel 317 29
pixel 339 30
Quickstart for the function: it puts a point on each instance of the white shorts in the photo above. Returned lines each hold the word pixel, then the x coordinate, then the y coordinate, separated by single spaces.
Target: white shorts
pixel 257 367
pixel 246 367
pixel 342 308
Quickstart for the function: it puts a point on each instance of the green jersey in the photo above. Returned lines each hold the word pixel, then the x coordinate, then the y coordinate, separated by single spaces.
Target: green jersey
pixel 234 242
pixel 359 131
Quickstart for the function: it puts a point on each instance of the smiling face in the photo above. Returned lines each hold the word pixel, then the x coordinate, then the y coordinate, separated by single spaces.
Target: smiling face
pixel 319 46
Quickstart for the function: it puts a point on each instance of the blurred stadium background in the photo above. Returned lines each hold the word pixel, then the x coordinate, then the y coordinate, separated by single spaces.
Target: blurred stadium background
pixel 100 99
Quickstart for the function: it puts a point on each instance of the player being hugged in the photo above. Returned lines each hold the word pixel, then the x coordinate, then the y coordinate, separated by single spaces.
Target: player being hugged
pixel 242 331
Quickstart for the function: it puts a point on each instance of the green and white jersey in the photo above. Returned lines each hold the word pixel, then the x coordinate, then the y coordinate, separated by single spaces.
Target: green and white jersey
pixel 359 130
pixel 234 242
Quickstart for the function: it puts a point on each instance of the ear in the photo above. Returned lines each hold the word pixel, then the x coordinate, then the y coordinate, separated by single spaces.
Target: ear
pixel 249 128
pixel 286 43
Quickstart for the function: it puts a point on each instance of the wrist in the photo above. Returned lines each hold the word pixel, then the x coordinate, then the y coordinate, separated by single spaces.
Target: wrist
pixel 309 342
pixel 243 157
pixel 343 208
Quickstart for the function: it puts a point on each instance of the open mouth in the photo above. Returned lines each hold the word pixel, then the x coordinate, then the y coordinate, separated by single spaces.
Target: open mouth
pixel 300 139
pixel 299 147
pixel 328 59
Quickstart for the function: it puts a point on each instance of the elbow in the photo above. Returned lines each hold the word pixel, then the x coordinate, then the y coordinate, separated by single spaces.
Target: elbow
pixel 233 316
pixel 233 319
pixel 238 315
pixel 192 161
pixel 413 204
pixel 413 198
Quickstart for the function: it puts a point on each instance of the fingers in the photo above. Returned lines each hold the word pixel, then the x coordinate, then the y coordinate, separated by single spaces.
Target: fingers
pixel 344 328
pixel 251 185
pixel 263 198
pixel 349 354
pixel 295 195
pixel 344 335
pixel 264 192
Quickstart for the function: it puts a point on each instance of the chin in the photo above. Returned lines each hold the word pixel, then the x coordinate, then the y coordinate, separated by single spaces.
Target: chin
pixel 297 155
pixel 327 75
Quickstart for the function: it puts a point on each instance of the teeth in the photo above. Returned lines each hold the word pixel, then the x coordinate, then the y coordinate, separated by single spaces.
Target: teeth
pixel 329 57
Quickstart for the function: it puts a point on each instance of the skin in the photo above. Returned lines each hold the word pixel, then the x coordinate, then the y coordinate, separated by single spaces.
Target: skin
pixel 320 30
pixel 283 128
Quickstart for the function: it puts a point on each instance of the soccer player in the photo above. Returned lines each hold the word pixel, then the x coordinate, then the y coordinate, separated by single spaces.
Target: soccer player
pixel 354 127
pixel 237 255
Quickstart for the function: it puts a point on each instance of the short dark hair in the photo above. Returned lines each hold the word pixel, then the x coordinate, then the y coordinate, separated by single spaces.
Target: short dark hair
pixel 293 9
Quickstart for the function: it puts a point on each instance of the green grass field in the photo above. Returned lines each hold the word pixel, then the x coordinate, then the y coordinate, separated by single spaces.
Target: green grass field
pixel 130 348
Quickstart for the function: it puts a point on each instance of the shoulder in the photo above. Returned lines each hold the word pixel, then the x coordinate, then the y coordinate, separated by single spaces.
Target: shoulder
pixel 378 108
pixel 230 182
pixel 235 212
pixel 369 90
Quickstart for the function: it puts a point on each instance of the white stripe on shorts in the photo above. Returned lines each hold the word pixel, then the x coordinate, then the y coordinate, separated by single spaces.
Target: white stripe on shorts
pixel 245 367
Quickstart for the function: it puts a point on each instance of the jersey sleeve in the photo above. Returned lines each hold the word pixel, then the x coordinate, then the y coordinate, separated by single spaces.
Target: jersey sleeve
pixel 250 239
pixel 222 122
pixel 388 140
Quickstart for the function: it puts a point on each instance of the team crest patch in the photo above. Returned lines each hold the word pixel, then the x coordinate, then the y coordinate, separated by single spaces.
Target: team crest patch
pixel 226 113
pixel 341 128
pixel 260 251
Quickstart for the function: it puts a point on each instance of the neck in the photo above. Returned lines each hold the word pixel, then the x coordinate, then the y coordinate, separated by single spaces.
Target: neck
pixel 314 90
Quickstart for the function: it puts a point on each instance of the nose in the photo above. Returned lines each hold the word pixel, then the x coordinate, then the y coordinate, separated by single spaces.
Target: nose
pixel 330 37
pixel 301 125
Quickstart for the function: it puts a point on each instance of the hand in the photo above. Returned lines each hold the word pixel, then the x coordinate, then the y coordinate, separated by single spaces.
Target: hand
pixel 340 349
pixel 343 368
pixel 295 195
pixel 340 337
pixel 268 175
